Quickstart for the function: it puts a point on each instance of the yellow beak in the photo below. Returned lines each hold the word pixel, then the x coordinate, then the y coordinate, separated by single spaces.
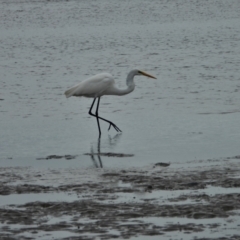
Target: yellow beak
pixel 147 75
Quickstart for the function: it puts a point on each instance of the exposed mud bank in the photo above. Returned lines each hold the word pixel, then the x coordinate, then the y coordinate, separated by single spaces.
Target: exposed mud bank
pixel 99 203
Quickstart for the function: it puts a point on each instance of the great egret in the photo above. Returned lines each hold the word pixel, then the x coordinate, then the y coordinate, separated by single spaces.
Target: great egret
pixel 103 84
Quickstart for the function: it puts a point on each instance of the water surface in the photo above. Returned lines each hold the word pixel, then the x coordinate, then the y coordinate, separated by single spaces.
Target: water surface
pixel 190 112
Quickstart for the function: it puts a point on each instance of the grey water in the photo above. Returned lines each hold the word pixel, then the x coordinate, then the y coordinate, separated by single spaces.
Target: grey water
pixel 190 112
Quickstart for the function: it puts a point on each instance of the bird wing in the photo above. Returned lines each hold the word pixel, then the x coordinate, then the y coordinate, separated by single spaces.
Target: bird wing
pixel 92 87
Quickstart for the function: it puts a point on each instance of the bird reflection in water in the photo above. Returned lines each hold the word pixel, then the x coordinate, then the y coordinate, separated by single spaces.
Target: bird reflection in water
pixel 92 155
pixel 111 143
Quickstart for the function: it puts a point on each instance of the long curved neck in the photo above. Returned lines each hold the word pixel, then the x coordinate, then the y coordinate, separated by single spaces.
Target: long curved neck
pixel 130 86
pixel 125 91
pixel 130 77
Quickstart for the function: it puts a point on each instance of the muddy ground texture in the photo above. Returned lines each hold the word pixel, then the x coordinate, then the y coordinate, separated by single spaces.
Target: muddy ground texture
pixel 108 204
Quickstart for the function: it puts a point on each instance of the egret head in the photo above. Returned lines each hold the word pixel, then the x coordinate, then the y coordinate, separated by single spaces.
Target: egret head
pixel 135 72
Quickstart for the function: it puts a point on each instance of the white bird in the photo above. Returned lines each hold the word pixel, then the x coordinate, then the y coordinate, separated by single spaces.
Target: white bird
pixel 103 84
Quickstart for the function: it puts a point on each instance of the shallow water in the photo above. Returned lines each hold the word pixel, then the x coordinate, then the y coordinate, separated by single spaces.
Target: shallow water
pixel 188 117
pixel 190 112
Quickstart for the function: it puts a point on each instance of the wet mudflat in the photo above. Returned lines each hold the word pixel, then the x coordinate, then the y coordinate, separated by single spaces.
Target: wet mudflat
pixel 174 171
pixel 197 202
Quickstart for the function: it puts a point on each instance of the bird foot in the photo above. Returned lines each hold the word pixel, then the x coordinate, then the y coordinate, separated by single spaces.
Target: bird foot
pixel 115 127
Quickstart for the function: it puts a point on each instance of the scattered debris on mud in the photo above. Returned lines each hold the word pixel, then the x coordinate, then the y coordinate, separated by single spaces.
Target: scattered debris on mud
pixel 110 154
pixel 67 157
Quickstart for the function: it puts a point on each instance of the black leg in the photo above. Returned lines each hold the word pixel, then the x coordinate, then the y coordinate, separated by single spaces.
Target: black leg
pixel 90 110
pixel 110 123
pixel 96 116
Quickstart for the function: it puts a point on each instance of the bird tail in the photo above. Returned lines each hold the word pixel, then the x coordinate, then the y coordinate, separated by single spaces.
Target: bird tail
pixel 70 92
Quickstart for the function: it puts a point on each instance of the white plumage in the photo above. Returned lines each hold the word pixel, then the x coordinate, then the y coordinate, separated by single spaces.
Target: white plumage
pixel 103 84
pixel 93 87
